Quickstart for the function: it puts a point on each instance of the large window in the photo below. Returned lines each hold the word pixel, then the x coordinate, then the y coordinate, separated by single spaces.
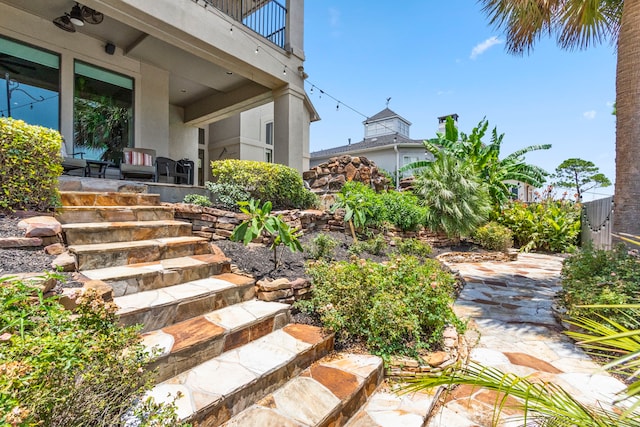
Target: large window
pixel 30 79
pixel 103 112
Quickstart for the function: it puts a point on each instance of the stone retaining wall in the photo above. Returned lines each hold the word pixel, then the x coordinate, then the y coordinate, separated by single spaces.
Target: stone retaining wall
pixel 217 224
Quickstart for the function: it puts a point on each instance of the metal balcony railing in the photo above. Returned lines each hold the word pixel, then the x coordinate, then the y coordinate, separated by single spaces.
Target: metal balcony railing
pixel 268 18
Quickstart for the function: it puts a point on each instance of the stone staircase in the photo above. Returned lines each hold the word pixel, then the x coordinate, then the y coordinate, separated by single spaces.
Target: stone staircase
pixel 232 359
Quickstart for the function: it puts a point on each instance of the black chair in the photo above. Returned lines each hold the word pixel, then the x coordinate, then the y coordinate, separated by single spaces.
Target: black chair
pixel 169 168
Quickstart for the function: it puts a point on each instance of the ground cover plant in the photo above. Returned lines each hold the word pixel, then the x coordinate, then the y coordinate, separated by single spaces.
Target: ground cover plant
pixel 400 307
pixel 63 369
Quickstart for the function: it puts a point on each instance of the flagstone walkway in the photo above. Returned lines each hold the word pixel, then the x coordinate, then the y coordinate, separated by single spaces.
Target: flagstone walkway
pixel 510 305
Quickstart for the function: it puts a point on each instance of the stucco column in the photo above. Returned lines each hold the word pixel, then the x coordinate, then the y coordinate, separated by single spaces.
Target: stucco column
pixel 294 42
pixel 289 122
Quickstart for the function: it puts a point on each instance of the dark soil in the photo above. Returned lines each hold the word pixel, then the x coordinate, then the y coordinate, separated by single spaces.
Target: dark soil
pixel 20 260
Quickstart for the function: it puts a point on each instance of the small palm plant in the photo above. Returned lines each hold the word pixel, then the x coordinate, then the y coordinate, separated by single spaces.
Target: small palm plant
pixel 260 220
pixel 357 207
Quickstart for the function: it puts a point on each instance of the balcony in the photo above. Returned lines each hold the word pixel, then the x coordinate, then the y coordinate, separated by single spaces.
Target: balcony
pixel 267 18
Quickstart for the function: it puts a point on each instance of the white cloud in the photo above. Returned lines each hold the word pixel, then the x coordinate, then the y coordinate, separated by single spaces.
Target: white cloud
pixel 589 115
pixel 480 48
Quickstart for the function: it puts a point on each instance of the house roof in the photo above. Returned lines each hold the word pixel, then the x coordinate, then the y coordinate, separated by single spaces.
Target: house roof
pixel 376 142
pixel 385 114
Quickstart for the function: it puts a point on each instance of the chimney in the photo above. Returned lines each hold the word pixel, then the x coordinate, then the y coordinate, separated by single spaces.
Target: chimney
pixel 442 121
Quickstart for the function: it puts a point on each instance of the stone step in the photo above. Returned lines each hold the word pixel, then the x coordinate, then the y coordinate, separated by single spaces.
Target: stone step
pixel 389 409
pixel 107 232
pixel 187 344
pixel 114 254
pixel 158 308
pixel 80 214
pixel 216 390
pixel 87 198
pixel 147 276
pixel 327 393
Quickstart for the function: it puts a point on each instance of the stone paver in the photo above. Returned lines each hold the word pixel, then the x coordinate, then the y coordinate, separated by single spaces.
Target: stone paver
pixel 510 304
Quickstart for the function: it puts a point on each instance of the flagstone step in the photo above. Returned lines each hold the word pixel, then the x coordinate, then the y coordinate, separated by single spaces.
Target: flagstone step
pixel 147 276
pixel 389 409
pixel 81 214
pixel 216 390
pixel 114 254
pixel 87 198
pixel 125 231
pixel 187 344
pixel 327 393
pixel 158 308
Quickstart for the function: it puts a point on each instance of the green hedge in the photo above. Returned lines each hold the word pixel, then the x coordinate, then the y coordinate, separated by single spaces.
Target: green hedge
pixel 30 165
pixel 279 184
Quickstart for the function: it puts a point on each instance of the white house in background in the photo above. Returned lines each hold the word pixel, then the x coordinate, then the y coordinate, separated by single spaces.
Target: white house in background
pixel 386 142
pixel 194 77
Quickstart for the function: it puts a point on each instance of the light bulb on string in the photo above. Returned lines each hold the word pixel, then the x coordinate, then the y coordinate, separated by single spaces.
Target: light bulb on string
pixel 312 89
pixel 284 70
pixel 231 29
pixel 257 49
pixel 321 92
pixel 338 106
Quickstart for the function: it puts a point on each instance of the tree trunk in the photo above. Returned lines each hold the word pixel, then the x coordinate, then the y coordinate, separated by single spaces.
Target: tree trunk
pixel 627 186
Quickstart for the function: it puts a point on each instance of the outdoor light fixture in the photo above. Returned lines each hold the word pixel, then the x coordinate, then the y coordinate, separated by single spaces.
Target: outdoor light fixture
pixel 78 16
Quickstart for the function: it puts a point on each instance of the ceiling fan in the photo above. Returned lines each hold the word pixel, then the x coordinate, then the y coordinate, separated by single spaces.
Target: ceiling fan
pixel 78 16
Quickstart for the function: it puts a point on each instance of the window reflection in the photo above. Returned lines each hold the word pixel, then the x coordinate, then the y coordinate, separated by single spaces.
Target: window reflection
pixel 30 84
pixel 103 112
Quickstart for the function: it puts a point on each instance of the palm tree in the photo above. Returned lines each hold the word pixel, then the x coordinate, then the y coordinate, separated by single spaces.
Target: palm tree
pixel 579 24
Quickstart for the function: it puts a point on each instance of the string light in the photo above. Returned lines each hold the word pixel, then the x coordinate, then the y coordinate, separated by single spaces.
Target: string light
pixel 257 49
pixel 338 106
pixel 284 70
pixel 231 29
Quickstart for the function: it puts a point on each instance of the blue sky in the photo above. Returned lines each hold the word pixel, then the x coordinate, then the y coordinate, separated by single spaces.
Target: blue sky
pixel 438 58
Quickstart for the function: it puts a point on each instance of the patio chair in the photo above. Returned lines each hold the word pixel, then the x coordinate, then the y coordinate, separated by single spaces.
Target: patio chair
pixel 138 163
pixel 169 168
pixel 72 163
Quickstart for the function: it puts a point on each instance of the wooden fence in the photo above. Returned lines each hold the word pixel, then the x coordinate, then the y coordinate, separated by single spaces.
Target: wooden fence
pixel 597 222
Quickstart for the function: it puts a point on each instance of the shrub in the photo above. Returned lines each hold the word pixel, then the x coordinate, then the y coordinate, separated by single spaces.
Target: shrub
pixel 30 165
pixel 493 236
pixel 197 199
pixel 63 369
pixel 279 184
pixel 595 276
pixel 321 247
pixel 396 308
pixel 359 203
pixel 228 195
pixel 403 210
pixel 551 225
pixel 415 247
pixel 374 246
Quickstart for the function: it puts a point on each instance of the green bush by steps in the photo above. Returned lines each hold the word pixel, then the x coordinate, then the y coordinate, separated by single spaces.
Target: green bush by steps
pixel 400 307
pixel 279 184
pixel 30 164
pixel 64 369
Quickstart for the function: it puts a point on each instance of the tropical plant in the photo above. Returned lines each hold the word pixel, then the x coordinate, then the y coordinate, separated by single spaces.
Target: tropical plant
pixel 580 174
pixel 548 404
pixel 101 124
pixel 485 159
pixel 580 24
pixel 456 198
pixel 261 220
pixel 549 225
pixel 357 202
